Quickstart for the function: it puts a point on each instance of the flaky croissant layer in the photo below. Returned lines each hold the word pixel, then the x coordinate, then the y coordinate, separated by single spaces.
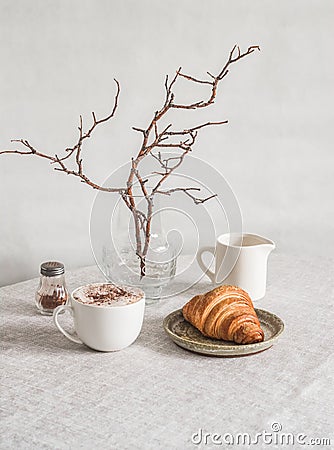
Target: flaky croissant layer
pixel 226 312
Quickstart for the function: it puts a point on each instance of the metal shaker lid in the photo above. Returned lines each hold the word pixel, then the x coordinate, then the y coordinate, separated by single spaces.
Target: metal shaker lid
pixel 52 268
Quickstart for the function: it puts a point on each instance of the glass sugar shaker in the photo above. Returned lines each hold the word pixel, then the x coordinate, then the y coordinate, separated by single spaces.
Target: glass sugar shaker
pixel 52 290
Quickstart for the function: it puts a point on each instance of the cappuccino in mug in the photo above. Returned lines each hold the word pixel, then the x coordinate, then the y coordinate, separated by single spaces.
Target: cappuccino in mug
pixel 106 317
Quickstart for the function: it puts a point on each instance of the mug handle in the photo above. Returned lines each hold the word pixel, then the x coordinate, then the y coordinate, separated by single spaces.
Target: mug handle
pixel 56 312
pixel 205 269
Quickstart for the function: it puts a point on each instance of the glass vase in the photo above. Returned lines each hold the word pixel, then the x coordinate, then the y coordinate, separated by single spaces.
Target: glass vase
pixel 125 259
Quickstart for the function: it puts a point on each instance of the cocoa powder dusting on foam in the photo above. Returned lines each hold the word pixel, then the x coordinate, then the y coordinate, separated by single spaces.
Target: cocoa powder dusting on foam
pixel 107 295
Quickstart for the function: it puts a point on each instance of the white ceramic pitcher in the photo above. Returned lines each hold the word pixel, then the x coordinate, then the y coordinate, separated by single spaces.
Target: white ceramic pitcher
pixel 240 260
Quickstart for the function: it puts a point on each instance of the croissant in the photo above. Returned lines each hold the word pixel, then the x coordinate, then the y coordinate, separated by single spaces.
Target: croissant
pixel 226 312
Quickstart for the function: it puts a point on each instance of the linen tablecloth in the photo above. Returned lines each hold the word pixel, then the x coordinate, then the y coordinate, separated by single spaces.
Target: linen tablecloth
pixel 56 394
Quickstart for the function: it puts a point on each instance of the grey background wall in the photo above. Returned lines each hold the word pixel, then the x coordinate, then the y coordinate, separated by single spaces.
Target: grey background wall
pixel 58 60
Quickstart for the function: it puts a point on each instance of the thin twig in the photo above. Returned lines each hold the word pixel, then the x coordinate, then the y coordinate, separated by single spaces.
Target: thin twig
pixel 186 191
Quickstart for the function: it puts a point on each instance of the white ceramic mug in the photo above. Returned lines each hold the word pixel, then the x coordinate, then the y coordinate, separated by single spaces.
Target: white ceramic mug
pixel 103 328
pixel 240 260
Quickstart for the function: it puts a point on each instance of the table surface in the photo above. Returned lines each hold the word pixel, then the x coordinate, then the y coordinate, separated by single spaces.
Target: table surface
pixel 154 394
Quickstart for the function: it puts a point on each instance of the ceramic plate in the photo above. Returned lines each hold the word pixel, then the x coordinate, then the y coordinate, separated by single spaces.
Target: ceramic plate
pixel 187 336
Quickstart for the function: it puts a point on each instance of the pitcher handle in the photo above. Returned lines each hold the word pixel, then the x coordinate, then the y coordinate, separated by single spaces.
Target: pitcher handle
pixel 56 312
pixel 205 269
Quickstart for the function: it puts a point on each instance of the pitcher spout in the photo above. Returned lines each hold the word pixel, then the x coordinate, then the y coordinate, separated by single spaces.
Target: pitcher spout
pixel 252 240
pixel 266 245
pixel 268 248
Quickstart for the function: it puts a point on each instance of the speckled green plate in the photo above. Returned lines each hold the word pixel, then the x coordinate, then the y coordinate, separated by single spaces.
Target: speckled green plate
pixel 187 336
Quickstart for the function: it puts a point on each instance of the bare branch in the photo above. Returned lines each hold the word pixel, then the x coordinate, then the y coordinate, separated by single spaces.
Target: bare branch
pixel 139 129
pixel 195 80
pixel 76 149
pixel 18 152
pixel 187 191
pixel 190 130
pixel 216 79
pixel 240 55
pixel 152 139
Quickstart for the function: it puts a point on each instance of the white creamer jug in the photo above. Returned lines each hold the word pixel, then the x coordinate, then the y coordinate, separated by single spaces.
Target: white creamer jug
pixel 240 260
